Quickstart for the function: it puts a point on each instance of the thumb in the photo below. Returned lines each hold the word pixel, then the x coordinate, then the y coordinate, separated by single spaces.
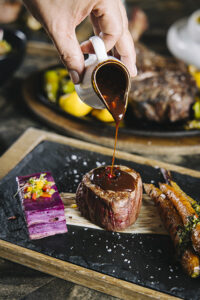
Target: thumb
pixel 70 54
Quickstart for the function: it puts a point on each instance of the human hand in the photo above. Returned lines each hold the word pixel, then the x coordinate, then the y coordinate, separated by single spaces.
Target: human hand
pixel 61 17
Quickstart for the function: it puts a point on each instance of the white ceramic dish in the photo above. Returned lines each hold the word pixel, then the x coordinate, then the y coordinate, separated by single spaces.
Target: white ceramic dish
pixel 183 39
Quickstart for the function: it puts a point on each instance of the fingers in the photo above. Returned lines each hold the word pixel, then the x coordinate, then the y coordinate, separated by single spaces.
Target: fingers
pixel 107 21
pixel 60 18
pixel 126 51
pixel 70 54
pixel 86 46
pixel 95 24
pixel 111 24
pixel 125 46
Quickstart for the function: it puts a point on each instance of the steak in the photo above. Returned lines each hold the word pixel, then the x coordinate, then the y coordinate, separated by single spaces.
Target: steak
pixel 112 210
pixel 163 90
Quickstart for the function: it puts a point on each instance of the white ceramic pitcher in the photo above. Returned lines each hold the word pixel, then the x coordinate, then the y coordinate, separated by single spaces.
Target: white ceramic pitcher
pixel 88 90
pixel 183 39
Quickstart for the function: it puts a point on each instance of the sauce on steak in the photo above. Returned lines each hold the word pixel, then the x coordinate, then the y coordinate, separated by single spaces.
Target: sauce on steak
pixel 118 181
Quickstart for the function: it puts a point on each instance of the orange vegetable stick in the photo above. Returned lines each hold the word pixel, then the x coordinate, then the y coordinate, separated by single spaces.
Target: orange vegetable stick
pixel 44 194
pixel 179 190
pixel 172 221
pixel 185 210
pixel 191 263
pixel 181 203
pixel 167 211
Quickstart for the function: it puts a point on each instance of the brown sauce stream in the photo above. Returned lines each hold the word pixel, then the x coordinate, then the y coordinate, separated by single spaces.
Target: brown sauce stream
pixel 119 181
pixel 112 84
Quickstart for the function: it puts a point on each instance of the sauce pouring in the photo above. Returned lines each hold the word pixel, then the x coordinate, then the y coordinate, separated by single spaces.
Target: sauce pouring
pixel 106 83
pixel 111 82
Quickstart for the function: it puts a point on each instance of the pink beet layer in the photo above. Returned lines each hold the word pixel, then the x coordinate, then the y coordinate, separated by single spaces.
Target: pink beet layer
pixel 44 216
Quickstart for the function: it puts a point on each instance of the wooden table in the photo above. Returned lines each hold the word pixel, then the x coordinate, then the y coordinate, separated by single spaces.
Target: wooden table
pixel 17 281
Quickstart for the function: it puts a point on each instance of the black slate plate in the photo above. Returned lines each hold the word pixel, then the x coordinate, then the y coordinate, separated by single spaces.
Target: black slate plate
pixel 144 259
pixel 132 126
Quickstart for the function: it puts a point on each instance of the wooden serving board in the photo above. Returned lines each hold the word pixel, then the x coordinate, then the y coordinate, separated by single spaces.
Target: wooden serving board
pixel 137 264
pixel 143 224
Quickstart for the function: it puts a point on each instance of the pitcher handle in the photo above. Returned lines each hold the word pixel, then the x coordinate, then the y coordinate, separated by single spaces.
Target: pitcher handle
pixel 99 48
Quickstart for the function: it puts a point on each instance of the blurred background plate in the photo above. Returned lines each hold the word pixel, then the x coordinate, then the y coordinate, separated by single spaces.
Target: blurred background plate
pixel 10 62
pixel 89 129
pixel 130 126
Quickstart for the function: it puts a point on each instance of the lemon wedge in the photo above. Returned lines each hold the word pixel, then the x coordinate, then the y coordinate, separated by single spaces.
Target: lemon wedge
pixel 197 78
pixel 195 73
pixel 72 104
pixel 103 115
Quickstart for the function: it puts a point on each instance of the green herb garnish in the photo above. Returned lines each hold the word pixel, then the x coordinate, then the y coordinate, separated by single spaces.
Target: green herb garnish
pixel 184 233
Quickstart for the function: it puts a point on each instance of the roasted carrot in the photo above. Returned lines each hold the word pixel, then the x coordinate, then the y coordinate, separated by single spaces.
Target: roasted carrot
pixel 167 212
pixel 191 263
pixel 186 211
pixel 195 237
pixel 174 225
pixel 168 179
pixel 193 202
pixel 166 175
pixel 181 203
pixel 196 233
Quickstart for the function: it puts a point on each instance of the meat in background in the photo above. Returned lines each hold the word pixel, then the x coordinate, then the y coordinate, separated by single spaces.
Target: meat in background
pixel 163 90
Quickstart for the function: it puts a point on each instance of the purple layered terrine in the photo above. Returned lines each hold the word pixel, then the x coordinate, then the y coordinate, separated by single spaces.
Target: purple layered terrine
pixel 42 205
